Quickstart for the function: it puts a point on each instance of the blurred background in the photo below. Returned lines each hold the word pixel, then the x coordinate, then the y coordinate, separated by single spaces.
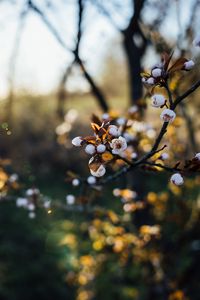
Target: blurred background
pixel 61 61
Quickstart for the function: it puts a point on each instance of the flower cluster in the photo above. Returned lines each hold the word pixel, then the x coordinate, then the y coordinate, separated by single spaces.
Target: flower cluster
pixel 106 145
pixel 32 200
pixel 161 72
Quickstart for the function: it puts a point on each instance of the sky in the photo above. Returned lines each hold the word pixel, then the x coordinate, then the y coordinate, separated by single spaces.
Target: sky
pixel 41 60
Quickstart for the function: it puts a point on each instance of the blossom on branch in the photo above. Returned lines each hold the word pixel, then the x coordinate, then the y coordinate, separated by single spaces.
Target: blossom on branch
pixel 177 179
pixel 77 141
pixel 118 145
pixel 158 100
pixel 168 115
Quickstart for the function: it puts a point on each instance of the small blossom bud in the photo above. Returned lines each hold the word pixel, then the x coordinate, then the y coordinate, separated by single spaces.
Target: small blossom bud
pixel 47 204
pixel 118 145
pixel 101 148
pixel 99 172
pixel 29 192
pixel 105 116
pixel 75 182
pixel 133 109
pixel 90 149
pixel 116 192
pixel 157 72
pixel 77 141
pixel 32 215
pixel 91 180
pixel 158 100
pixel 168 115
pixel 196 42
pixel 21 202
pixel 164 156
pixel 134 155
pixel 128 137
pixel 113 130
pixel 70 199
pixel 31 206
pixel 150 81
pixel 121 121
pixel 197 156
pixel 177 179
pixel 188 65
pixel 13 178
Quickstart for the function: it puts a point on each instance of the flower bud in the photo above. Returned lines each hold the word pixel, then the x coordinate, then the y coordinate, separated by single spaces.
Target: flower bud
pixel 75 182
pixel 91 180
pixel 196 42
pixel 197 156
pixel 101 148
pixel 150 81
pixel 99 172
pixel 113 130
pixel 133 109
pixel 188 65
pixel 158 100
pixel 157 72
pixel 177 179
pixel 164 156
pixel 77 141
pixel 168 115
pixel 121 121
pixel 105 116
pixel 90 149
pixel 70 199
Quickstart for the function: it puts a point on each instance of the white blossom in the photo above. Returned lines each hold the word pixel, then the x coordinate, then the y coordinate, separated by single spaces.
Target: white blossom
pixel 134 155
pixel 105 116
pixel 196 42
pixel 70 199
pixel 121 121
pixel 47 204
pixel 13 178
pixel 77 141
pixel 164 156
pixel 118 145
pixel 168 115
pixel 91 180
pixel 90 149
pixel 177 179
pixel 31 215
pixel 129 137
pixel 32 192
pixel 101 148
pixel 75 182
pixel 158 100
pixel 99 172
pixel 21 202
pixel 157 72
pixel 133 109
pixel 197 156
pixel 188 65
pixel 31 206
pixel 113 130
pixel 116 192
pixel 29 192
pixel 150 81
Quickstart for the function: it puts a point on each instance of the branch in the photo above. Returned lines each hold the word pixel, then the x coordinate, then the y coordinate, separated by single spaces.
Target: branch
pixel 49 25
pixel 186 94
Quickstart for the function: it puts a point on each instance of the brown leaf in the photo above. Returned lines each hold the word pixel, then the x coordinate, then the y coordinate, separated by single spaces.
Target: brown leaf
pixel 95 127
pixel 178 65
pixel 96 120
pixel 90 139
pixel 166 58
